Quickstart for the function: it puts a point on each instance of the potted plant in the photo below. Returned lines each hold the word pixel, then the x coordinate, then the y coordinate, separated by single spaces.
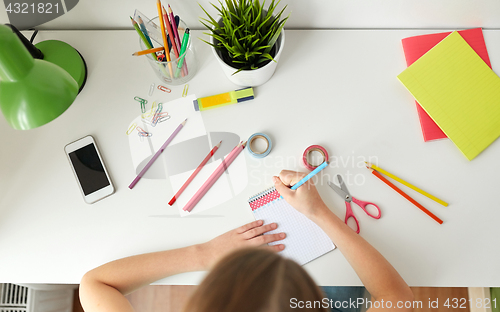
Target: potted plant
pixel 246 39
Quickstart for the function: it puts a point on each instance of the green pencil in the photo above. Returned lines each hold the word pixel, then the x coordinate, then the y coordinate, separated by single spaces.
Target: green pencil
pixel 146 43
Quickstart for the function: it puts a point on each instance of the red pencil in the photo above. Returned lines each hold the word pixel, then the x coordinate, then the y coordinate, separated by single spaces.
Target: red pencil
pixel 214 177
pixel 179 192
pixel 170 32
pixel 430 214
pixel 177 38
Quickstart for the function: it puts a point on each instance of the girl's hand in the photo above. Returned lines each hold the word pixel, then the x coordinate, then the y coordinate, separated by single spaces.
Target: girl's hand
pixel 248 235
pixel 305 199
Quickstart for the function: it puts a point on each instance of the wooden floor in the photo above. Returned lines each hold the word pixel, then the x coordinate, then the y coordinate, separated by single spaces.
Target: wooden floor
pixel 173 298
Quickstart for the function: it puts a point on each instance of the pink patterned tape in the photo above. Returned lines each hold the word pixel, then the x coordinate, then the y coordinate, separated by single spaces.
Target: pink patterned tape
pixel 264 200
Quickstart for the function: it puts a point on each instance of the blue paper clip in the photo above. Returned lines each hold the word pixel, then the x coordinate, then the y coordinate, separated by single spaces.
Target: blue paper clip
pixel 142 133
pixel 156 116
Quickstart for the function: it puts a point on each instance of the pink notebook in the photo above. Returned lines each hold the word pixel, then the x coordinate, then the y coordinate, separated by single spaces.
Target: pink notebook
pixel 415 47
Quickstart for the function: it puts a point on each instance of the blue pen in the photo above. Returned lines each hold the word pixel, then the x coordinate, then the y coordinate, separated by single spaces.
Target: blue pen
pixel 310 175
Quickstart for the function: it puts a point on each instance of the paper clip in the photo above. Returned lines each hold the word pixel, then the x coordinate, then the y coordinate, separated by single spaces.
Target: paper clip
pixel 142 133
pixel 143 103
pixel 131 128
pixel 156 116
pixel 164 89
pixel 140 100
pixel 151 89
pixel 164 117
pixel 146 121
pixel 151 112
pixel 185 91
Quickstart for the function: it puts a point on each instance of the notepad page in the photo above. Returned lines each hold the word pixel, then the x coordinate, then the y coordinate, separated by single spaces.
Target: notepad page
pixel 305 241
pixel 416 46
pixel 460 93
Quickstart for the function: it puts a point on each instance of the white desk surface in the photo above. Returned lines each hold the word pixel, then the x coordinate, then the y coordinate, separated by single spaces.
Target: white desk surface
pixel 334 88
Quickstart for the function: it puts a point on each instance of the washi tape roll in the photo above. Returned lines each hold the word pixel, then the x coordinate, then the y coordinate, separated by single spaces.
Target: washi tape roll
pixel 314 148
pixel 251 148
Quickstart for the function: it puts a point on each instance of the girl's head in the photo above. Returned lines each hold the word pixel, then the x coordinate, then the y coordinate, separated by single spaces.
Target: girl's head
pixel 254 280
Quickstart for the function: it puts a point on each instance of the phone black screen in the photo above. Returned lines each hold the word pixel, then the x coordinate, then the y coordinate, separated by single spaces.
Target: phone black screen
pixel 89 169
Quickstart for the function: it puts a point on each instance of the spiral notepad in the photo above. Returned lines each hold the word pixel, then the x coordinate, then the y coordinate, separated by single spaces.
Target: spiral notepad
pixel 305 241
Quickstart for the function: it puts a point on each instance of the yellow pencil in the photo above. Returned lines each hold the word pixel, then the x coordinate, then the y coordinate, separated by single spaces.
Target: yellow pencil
pixel 390 175
pixel 165 42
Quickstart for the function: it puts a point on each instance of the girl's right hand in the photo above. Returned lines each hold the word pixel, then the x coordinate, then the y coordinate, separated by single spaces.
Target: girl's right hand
pixel 305 199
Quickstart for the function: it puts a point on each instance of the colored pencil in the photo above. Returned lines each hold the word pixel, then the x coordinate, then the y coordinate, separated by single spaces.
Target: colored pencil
pixel 413 187
pixel 310 175
pixel 144 52
pixel 214 177
pixel 177 38
pixel 174 28
pixel 157 154
pixel 164 36
pixel 201 165
pixel 168 25
pixel 144 30
pixel 143 38
pixel 430 214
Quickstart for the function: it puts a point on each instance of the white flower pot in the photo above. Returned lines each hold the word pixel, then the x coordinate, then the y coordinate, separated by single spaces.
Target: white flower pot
pixel 254 77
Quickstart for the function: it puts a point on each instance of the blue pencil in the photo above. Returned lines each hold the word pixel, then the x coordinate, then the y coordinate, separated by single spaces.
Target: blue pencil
pixel 310 175
pixel 144 30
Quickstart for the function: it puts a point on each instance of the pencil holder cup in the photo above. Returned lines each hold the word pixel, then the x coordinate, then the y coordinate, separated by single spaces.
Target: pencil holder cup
pixel 180 69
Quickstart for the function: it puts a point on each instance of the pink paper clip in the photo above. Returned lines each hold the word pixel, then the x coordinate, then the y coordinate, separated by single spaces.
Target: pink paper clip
pixel 164 89
pixel 143 133
pixel 156 116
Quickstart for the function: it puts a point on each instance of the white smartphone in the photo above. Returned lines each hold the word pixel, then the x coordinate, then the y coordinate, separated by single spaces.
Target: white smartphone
pixel 88 167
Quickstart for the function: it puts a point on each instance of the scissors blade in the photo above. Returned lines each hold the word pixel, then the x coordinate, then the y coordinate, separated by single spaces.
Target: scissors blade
pixel 339 191
pixel 342 184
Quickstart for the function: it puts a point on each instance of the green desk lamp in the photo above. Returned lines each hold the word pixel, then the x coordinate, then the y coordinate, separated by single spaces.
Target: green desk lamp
pixel 34 91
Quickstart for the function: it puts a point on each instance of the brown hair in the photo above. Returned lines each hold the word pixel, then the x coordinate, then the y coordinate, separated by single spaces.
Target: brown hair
pixel 254 280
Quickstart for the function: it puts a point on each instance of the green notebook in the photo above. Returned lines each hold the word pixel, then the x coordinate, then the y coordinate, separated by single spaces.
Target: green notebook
pixel 459 92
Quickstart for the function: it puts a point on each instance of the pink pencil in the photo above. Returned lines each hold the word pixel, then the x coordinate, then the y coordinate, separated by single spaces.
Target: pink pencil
pixel 177 38
pixel 179 192
pixel 214 177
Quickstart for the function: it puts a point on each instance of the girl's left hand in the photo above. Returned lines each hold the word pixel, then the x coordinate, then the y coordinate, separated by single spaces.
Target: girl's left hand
pixel 248 235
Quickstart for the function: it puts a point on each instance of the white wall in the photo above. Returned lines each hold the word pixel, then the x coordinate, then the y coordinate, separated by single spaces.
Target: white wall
pixel 113 14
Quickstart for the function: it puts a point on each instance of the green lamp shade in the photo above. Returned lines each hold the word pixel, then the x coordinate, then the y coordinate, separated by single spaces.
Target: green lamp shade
pixel 32 92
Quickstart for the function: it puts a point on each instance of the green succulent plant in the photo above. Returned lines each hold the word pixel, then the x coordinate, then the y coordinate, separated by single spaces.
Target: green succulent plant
pixel 247 33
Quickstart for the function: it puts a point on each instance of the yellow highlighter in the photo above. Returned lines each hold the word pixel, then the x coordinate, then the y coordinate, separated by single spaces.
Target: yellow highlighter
pixel 223 99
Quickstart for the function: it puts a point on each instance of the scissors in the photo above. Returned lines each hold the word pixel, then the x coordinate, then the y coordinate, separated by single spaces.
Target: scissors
pixel 344 193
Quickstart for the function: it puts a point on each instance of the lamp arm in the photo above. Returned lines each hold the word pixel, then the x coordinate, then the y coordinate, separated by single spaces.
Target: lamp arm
pixel 34 51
